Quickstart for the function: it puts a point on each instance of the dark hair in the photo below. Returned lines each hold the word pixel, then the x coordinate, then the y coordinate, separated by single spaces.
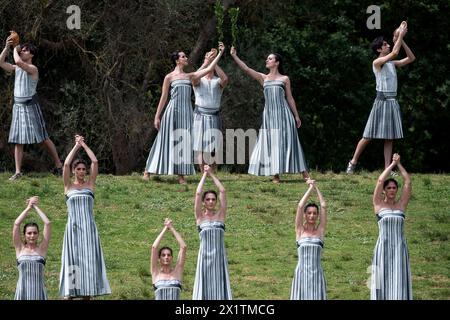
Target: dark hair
pixel 31 47
pixel 279 59
pixel 377 43
pixel 386 182
pixel 309 205
pixel 78 161
pixel 208 191
pixel 165 248
pixel 174 56
pixel 29 224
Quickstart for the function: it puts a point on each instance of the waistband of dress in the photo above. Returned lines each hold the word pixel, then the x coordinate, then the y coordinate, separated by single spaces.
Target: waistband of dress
pixel 26 100
pixel 386 95
pixel 212 112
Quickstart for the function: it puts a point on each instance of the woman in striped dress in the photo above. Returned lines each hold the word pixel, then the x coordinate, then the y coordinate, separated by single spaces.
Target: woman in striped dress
pixel 31 255
pixel 83 271
pixel 27 123
pixel 171 152
pixel 309 281
pixel 167 280
pixel 385 121
pixel 278 149
pixel 206 134
pixel 212 280
pixel 391 273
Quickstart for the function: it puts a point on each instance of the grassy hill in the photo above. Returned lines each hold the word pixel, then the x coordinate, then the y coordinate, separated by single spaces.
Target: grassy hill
pixel 260 236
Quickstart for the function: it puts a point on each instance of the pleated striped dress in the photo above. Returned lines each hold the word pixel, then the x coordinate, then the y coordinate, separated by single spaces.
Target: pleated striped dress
pixel 171 153
pixel 30 285
pixel 167 289
pixel 83 271
pixel 391 273
pixel 309 281
pixel 277 149
pixel 206 134
pixel 385 120
pixel 212 280
pixel 27 122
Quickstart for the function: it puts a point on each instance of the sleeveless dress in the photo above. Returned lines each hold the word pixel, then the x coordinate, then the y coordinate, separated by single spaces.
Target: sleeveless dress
pixel 309 281
pixel 391 273
pixel 167 289
pixel 385 120
pixel 83 271
pixel 212 280
pixel 171 153
pixel 27 122
pixel 277 149
pixel 30 285
pixel 206 134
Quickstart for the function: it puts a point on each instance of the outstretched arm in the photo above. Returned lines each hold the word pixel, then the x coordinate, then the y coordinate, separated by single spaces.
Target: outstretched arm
pixel 94 163
pixel 154 255
pixel 162 101
pixel 258 76
pixel 291 102
pixel 410 57
pixel 182 253
pixel 198 198
pixel 323 213
pixel 301 208
pixel 223 77
pixel 47 230
pixel 406 193
pixel 194 76
pixel 222 193
pixel 16 228
pixel 68 162
pixel 3 64
pixel 206 62
pixel 377 193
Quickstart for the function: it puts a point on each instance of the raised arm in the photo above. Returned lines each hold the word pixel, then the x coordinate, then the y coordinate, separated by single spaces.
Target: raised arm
pixel 162 101
pixel 198 198
pixel 378 192
pixel 258 76
pixel 29 68
pixel 300 210
pixel 154 255
pixel 378 63
pixel 206 62
pixel 94 163
pixel 3 64
pixel 323 212
pixel 68 162
pixel 291 102
pixel 223 77
pixel 16 228
pixel 406 192
pixel 181 253
pixel 222 193
pixel 47 230
pixel 410 57
pixel 194 76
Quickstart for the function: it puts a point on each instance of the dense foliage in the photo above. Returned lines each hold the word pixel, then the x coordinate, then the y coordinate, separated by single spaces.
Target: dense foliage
pixel 104 80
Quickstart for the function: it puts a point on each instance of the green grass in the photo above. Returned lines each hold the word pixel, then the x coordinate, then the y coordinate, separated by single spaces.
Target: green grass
pixel 260 237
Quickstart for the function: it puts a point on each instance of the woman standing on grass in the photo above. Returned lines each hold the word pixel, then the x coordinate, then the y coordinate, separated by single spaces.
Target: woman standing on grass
pixel 83 272
pixel 277 148
pixel 167 280
pixel 391 273
pixel 172 152
pixel 31 255
pixel 212 281
pixel 309 281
